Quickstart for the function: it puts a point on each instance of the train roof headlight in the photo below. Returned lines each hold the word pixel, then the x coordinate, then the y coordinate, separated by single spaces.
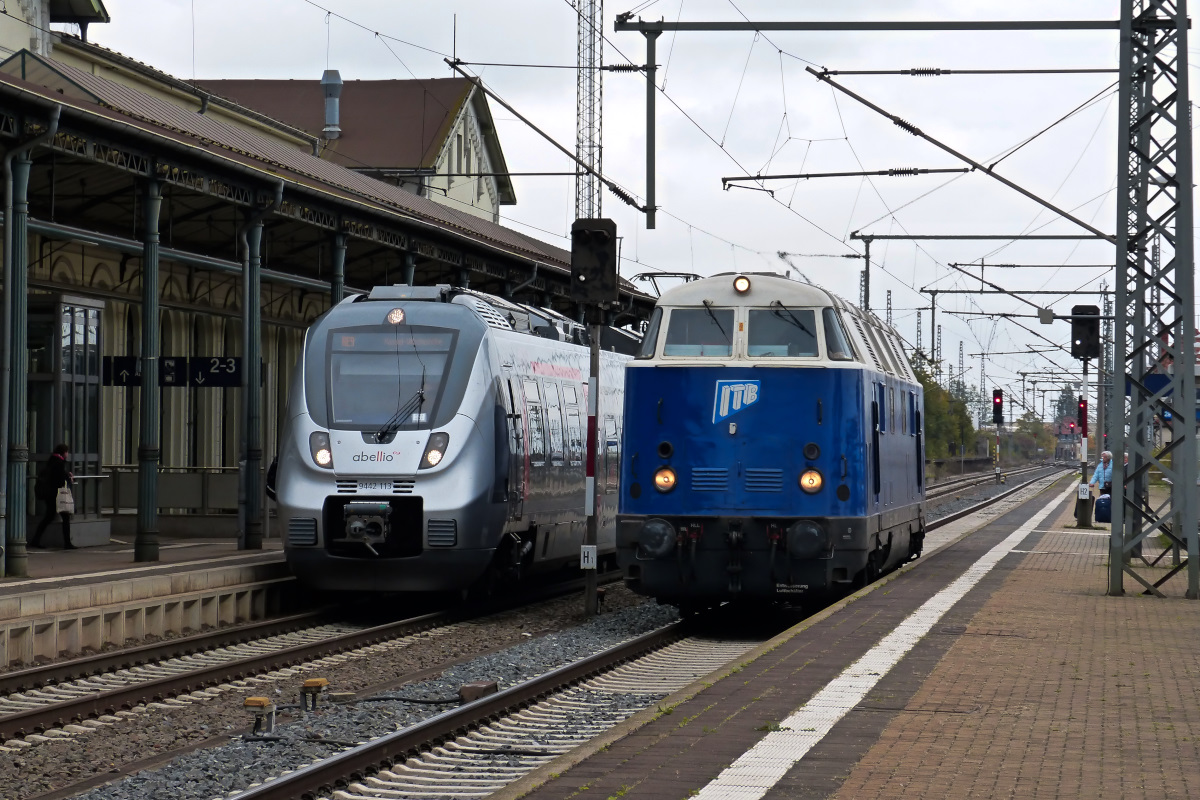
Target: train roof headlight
pixel 396 316
pixel 741 284
pixel 318 447
pixel 811 481
pixel 664 479
pixel 435 450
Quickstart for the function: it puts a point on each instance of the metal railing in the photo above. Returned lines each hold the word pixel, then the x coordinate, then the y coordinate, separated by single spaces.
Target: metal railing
pixel 181 490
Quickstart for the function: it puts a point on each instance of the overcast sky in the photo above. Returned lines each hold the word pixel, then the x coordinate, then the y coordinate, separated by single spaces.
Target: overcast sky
pixel 736 104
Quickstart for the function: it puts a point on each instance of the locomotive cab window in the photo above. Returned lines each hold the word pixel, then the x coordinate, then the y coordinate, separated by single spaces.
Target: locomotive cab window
pixel 700 332
pixel 837 346
pixel 782 332
pixel 650 338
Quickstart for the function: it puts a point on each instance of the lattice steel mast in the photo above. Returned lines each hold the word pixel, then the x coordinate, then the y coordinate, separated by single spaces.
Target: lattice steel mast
pixel 1154 200
pixel 589 91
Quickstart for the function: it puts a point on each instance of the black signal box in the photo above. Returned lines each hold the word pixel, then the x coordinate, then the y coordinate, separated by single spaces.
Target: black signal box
pixel 998 406
pixel 594 261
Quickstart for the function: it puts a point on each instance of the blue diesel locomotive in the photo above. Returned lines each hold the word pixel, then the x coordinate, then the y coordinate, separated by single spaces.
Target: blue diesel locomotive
pixel 772 446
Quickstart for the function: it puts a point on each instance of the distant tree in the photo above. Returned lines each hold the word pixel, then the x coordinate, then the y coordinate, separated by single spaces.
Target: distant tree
pixel 946 417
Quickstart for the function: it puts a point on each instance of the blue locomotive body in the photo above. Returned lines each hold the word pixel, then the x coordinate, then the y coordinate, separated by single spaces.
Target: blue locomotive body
pixel 775 466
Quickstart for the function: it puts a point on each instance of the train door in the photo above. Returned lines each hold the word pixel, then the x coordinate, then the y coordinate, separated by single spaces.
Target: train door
pixel 517 466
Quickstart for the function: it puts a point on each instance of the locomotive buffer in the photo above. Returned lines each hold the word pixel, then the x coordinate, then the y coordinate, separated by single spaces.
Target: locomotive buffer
pixel 594 285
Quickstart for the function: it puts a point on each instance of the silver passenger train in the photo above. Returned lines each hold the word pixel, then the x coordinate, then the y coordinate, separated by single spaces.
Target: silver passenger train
pixel 435 440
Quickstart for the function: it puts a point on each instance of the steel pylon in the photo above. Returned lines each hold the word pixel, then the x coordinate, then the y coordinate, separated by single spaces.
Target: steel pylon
pixel 589 94
pixel 1155 341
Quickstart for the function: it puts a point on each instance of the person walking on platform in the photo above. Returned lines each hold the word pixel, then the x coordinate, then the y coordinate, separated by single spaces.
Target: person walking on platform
pixel 1102 474
pixel 54 475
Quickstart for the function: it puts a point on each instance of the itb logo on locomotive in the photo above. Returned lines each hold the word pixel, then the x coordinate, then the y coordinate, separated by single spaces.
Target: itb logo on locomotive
pixel 732 396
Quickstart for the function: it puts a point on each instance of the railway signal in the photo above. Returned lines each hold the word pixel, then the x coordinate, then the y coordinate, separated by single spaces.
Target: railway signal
pixel 1083 416
pixel 594 261
pixel 1085 332
pixel 998 406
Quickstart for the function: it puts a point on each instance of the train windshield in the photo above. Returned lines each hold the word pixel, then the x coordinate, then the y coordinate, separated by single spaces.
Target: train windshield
pixel 704 331
pixel 781 332
pixel 388 375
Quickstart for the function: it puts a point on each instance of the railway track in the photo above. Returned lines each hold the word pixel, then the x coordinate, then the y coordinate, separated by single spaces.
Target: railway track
pixel 939 490
pixel 80 691
pixel 526 725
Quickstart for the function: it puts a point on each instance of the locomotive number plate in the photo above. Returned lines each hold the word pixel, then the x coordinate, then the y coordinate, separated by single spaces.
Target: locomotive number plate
pixel 374 486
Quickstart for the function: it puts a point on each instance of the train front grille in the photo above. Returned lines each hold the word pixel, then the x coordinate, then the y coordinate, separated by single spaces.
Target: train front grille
pixel 764 480
pixel 302 531
pixel 443 532
pixel 710 479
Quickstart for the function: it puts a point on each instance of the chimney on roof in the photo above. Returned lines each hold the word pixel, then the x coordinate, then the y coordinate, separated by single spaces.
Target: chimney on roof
pixel 331 82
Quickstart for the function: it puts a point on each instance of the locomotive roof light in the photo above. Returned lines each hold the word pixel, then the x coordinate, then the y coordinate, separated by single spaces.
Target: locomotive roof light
pixel 318 447
pixel 811 481
pixel 396 316
pixel 664 479
pixel 741 284
pixel 435 451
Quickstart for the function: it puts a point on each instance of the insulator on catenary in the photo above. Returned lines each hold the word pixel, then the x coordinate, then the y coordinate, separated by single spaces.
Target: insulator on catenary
pixel 622 68
pixel 913 129
pixel 929 71
pixel 901 171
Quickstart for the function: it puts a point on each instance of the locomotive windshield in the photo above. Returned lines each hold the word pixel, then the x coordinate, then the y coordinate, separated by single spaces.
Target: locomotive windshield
pixel 700 332
pixel 781 332
pixel 387 375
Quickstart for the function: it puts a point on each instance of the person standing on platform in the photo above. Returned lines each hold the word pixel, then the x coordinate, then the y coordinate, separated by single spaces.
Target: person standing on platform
pixel 1102 474
pixel 54 475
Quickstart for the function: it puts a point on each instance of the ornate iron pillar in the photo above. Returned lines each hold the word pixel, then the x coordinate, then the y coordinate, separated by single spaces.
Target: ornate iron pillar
pixel 252 386
pixel 337 287
pixel 16 501
pixel 145 546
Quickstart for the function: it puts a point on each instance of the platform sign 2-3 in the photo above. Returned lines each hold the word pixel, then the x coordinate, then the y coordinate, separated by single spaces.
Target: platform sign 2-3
pixel 220 372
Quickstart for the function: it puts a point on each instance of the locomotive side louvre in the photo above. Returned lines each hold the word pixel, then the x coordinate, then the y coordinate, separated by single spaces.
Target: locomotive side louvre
pixel 773 446
pixel 503 408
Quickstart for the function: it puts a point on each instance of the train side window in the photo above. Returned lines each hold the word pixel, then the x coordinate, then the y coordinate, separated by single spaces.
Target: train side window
pixel 650 338
pixel 532 393
pixel 574 439
pixel 881 406
pixel 700 332
pixel 554 422
pixel 837 346
pixel 612 455
pixel 912 413
pixel 892 406
pixel 570 396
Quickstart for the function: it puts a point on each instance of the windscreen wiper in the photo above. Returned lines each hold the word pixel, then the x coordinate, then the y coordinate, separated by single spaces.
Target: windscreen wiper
pixel 791 317
pixel 414 404
pixel 717 322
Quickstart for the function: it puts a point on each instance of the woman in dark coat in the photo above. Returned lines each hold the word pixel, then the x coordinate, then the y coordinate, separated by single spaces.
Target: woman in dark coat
pixel 55 474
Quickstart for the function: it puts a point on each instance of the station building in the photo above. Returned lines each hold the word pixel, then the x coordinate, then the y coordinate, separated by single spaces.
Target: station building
pixel 161 236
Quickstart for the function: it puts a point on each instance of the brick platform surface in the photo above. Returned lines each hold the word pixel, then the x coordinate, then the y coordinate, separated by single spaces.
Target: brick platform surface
pixel 1071 693
pixel 1035 684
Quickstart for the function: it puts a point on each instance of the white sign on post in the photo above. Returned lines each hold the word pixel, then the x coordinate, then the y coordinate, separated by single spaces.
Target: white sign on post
pixel 1084 491
pixel 587 556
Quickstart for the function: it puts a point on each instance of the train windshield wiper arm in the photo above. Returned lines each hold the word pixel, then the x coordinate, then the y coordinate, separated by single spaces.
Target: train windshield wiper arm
pixel 717 322
pixel 393 424
pixel 791 317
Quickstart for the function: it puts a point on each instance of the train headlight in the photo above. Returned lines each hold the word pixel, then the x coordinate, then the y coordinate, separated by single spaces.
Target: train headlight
pixel 811 481
pixel 318 447
pixel 435 451
pixel 396 316
pixel 664 479
pixel 656 539
pixel 741 284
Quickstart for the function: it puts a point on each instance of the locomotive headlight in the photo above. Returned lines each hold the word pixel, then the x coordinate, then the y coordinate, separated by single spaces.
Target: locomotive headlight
pixel 435 451
pixel 811 481
pixel 396 316
pixel 318 447
pixel 741 284
pixel 664 479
